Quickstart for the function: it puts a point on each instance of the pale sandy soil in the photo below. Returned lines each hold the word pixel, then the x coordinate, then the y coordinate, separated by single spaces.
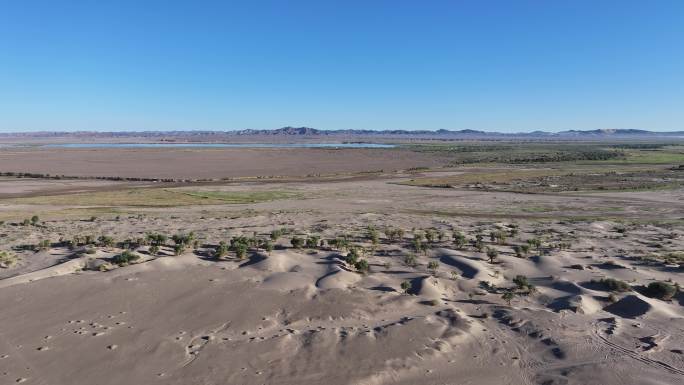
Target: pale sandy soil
pixel 302 316
pixel 198 163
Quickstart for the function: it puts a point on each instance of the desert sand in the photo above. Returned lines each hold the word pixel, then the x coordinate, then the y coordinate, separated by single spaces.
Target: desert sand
pixel 440 312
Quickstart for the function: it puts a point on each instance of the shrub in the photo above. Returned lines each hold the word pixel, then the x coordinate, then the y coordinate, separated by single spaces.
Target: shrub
pixel 154 250
pixel 410 260
pixel 105 241
pixel 394 234
pixel 156 239
pixel 44 244
pixel 352 257
pixel 267 245
pixel 430 235
pixel 373 236
pixel 35 220
pixel 221 250
pixel 7 259
pixel 178 248
pixel 297 242
pixel 362 266
pixel 184 239
pixel 406 286
pixel 433 265
pixel 418 245
pixel 535 242
pixel 661 290
pixel 240 250
pixel 275 234
pixel 615 285
pixel 312 241
pixel 125 258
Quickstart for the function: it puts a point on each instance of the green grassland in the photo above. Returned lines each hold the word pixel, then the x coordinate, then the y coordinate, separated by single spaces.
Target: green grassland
pixel 155 197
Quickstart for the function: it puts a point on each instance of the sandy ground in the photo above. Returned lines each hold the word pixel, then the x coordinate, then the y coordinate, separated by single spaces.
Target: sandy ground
pixel 305 316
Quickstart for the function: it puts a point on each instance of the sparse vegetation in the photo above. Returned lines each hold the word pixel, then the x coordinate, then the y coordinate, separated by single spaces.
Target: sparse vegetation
pixel 124 258
pixel 661 290
pixel 615 285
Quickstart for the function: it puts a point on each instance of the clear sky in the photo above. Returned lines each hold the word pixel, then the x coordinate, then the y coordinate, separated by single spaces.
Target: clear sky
pixel 482 64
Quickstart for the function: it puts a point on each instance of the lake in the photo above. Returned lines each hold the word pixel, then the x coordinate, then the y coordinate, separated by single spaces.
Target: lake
pixel 219 145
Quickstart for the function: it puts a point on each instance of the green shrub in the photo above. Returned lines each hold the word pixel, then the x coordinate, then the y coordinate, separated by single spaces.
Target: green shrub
pixel 312 241
pixel 406 286
pixel 125 258
pixel 297 242
pixel 221 250
pixel 7 259
pixel 410 260
pixel 661 290
pixel 362 266
pixel 615 285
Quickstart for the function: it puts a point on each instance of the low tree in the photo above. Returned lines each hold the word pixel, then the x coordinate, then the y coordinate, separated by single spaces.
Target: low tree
pixel 508 297
pixel 35 219
pixel 459 239
pixel 492 254
pixel 522 283
pixel 535 242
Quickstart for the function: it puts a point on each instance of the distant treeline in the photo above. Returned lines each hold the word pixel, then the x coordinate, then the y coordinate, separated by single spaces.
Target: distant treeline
pixel 640 146
pixel 112 178
pixel 520 153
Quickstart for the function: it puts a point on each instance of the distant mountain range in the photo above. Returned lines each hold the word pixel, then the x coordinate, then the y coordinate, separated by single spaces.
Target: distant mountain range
pixel 289 132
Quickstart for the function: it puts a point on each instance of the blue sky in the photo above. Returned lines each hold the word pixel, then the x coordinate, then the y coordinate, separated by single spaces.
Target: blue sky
pixel 221 65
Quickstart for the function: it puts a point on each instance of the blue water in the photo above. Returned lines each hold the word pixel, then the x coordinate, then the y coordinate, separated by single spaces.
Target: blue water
pixel 220 145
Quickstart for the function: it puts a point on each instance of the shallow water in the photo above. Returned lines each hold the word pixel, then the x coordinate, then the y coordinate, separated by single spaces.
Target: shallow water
pixel 219 145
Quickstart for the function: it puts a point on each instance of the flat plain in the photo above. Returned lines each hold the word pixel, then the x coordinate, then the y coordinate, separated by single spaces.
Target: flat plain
pixel 430 263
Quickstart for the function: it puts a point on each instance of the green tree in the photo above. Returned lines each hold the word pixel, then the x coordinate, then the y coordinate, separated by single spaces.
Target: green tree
pixel 492 254
pixel 508 297
pixel 459 239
